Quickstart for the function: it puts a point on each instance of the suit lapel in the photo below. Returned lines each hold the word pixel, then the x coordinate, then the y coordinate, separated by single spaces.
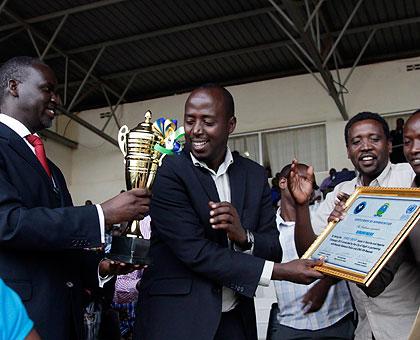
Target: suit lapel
pixel 237 179
pixel 206 182
pixel 21 148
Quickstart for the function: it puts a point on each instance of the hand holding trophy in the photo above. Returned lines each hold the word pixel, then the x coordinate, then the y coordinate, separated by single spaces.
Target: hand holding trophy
pixel 143 148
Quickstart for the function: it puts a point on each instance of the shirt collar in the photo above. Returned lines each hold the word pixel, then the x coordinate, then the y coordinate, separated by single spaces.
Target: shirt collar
pixel 378 181
pixel 222 168
pixel 282 222
pixel 15 125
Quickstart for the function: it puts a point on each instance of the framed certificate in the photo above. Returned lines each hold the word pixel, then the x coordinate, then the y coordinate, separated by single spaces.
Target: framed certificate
pixel 377 222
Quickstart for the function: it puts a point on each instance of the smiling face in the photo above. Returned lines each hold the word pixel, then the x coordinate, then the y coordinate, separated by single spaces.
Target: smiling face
pixel 368 148
pixel 412 142
pixel 207 125
pixel 35 98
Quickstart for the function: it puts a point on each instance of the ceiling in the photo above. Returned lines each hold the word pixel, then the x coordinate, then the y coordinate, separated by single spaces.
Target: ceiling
pixel 113 51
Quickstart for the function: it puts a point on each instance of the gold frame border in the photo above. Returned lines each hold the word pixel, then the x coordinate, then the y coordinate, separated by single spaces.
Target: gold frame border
pixel 366 279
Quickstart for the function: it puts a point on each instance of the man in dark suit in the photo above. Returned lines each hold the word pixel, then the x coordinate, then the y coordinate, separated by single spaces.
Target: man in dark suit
pixel 212 227
pixel 42 236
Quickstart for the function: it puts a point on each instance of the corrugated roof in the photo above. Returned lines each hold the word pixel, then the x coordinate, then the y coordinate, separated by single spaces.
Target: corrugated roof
pixel 175 45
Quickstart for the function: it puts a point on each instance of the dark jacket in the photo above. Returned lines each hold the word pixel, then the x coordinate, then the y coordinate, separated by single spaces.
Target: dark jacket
pixel 181 293
pixel 41 240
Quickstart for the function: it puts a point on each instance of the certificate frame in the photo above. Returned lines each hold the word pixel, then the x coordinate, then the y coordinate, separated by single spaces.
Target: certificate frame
pixel 334 231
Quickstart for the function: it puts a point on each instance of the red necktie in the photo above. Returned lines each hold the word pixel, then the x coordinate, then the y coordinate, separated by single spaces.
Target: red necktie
pixel 36 142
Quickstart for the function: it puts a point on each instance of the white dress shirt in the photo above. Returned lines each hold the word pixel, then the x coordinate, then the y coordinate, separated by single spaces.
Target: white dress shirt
pixel 336 306
pixel 221 180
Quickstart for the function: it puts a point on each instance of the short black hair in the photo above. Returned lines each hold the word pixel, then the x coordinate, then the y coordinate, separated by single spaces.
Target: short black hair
pixel 227 97
pixel 415 112
pixel 284 173
pixel 365 116
pixel 15 68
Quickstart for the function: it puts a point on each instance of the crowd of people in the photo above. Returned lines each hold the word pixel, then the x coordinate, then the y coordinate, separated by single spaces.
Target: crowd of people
pixel 215 237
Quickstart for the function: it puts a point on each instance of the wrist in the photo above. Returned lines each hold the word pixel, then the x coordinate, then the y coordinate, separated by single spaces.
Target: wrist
pixel 247 241
pixel 278 272
pixel 302 204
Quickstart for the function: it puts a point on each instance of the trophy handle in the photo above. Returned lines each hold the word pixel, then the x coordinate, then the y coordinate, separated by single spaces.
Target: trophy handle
pixel 122 139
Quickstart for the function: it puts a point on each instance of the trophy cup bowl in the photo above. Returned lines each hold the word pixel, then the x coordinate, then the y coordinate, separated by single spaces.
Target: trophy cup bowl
pixel 141 164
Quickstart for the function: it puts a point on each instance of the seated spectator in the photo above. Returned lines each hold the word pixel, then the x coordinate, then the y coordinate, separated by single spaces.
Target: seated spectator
pixel 342 176
pixel 275 192
pixel 125 297
pixel 397 154
pixel 324 187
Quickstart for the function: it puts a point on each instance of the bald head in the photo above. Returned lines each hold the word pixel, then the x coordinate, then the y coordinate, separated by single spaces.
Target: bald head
pixel 208 122
pixel 223 96
pixel 412 142
pixel 17 68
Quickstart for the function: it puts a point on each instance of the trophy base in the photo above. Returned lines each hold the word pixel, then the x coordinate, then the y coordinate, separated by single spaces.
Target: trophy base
pixel 132 250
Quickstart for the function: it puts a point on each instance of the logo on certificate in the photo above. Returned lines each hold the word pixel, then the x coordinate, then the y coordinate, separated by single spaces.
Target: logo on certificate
pixel 411 208
pixel 359 207
pixel 382 210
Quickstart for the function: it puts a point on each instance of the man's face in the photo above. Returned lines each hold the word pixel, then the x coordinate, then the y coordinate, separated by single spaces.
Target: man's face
pixel 207 126
pixel 412 142
pixel 368 149
pixel 37 99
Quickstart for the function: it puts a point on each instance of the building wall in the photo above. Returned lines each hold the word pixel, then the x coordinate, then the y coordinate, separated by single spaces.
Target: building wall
pixel 95 169
pixel 62 157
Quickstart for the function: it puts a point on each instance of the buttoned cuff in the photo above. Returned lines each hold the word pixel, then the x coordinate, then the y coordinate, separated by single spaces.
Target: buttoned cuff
pixel 101 222
pixel 266 274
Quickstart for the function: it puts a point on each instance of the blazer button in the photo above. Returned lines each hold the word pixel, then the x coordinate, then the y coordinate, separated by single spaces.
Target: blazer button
pixel 69 284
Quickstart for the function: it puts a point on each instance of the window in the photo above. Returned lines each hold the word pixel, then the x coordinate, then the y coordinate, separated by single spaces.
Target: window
pixel 280 146
pixel 246 145
pixel 306 144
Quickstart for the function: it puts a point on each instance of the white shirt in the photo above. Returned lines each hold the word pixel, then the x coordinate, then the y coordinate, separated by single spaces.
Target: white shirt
pixel 23 131
pixel 390 315
pixel 221 180
pixel 337 304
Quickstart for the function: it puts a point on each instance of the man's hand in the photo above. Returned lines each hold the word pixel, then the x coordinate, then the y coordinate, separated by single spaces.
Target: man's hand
pixel 300 186
pixel 297 271
pixel 316 295
pixel 338 213
pixel 109 267
pixel 224 216
pixel 127 206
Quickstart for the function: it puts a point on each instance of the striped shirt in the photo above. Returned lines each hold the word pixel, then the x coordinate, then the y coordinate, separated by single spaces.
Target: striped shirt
pixel 289 295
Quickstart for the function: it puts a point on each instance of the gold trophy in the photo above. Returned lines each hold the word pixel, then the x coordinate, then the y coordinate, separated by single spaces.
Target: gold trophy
pixel 143 148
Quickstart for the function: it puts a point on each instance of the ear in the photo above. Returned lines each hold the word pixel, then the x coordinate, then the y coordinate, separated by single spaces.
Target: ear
pixel 232 124
pixel 283 183
pixel 12 87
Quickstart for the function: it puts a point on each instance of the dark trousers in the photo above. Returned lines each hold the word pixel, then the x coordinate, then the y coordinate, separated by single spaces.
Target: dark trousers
pixel 231 327
pixel 341 330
